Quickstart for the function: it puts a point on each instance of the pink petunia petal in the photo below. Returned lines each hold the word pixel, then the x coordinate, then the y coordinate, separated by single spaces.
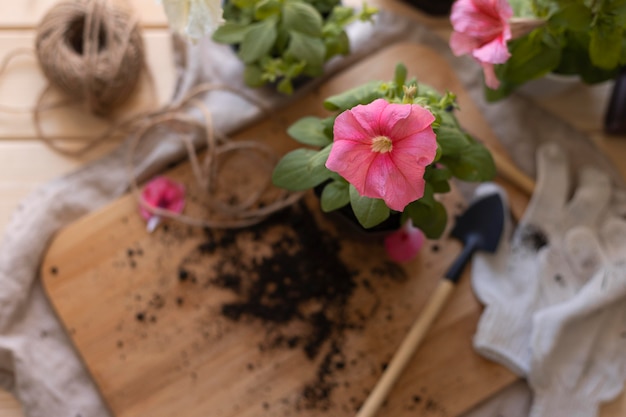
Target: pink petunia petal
pixel 351 160
pixel 482 29
pixel 461 43
pixel 419 120
pixel 494 52
pixel 421 145
pixel 164 193
pixel 393 115
pixel 405 243
pixel 475 19
pixel 369 115
pixel 397 184
pixel 347 127
pixel 395 173
pixel 491 80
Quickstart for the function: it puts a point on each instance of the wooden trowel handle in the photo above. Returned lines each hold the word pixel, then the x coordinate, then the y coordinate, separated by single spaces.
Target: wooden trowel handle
pixel 407 348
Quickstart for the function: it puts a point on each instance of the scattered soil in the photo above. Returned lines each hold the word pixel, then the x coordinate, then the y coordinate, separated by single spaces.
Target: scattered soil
pixel 300 291
pixel 296 286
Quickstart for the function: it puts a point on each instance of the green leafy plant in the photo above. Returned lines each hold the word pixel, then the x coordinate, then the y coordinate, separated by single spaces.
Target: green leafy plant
pixel 457 155
pixel 280 40
pixel 521 40
pixel 579 37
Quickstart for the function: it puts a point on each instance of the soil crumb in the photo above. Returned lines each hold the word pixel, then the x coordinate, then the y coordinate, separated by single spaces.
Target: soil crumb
pixel 287 274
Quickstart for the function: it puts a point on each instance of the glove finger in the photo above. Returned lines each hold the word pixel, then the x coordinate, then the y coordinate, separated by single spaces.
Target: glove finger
pixel 564 335
pixel 613 235
pixel 618 203
pixel 590 200
pixel 556 281
pixel 583 253
pixel 551 190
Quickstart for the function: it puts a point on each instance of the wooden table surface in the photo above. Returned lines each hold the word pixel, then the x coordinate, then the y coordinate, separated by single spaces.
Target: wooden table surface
pixel 25 162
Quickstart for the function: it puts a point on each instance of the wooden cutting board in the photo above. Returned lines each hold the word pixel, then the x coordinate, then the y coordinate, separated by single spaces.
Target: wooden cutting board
pixel 286 318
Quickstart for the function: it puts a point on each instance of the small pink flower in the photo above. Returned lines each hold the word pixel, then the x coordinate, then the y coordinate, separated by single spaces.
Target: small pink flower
pixel 383 149
pixel 481 27
pixel 404 244
pixel 163 193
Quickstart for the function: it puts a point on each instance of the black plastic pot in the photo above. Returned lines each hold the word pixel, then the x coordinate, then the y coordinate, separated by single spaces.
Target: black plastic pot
pixel 615 117
pixel 432 7
pixel 348 224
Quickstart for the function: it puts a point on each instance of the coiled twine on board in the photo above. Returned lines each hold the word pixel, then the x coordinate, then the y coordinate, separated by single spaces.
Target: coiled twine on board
pixel 93 51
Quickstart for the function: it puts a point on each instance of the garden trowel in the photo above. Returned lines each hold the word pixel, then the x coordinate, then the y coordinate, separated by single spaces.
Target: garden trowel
pixel 479 228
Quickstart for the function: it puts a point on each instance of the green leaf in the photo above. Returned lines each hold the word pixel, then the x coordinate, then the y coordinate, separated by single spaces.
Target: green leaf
pixel 368 211
pixel 335 195
pixel 435 174
pixel 474 164
pixel 431 220
pixel 341 16
pixel 574 16
pixel 301 169
pixel 266 8
pixel 530 58
pixel 575 60
pixel 308 49
pixel 363 94
pixel 440 187
pixel 437 179
pixel 399 77
pixel 230 33
pixel 302 17
pixel 606 46
pixel 285 86
pixel 310 131
pixel 505 90
pixel 451 140
pixel 258 41
pixel 243 4
pixel 337 45
pixel 428 198
pixel 294 69
pixel 253 76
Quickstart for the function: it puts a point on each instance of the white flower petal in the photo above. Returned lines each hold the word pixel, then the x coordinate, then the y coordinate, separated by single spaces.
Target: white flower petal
pixel 204 17
pixel 193 18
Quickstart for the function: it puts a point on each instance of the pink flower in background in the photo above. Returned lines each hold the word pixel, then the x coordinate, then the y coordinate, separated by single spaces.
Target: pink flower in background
pixel 404 244
pixel 163 193
pixel 383 149
pixel 481 28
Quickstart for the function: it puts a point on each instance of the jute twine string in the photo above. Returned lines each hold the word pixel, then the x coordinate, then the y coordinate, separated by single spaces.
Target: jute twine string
pixel 93 52
pixel 205 172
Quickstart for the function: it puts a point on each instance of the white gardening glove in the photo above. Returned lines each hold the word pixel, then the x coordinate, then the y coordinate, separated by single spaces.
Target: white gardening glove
pixel 529 271
pixel 579 345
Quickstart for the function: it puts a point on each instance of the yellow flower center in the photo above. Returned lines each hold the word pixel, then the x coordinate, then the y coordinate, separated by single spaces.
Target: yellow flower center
pixel 382 144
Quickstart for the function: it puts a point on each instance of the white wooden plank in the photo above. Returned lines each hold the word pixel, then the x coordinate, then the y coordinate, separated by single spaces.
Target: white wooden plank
pixel 24 165
pixel 28 13
pixel 23 81
pixel 9 407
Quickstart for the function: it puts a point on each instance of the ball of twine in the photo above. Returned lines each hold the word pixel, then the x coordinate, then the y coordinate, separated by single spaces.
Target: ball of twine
pixel 92 51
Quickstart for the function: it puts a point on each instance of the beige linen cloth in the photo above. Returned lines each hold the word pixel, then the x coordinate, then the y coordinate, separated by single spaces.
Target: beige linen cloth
pixel 37 360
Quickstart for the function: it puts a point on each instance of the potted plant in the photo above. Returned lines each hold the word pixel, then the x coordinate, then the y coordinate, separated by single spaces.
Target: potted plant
pixel 280 41
pixel 517 41
pixel 387 150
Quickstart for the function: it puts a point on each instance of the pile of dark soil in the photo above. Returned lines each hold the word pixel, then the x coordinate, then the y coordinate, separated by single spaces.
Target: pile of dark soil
pixel 300 289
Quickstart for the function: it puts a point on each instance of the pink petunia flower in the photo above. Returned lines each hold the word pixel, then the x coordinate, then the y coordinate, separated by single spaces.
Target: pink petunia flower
pixel 383 150
pixel 404 244
pixel 162 193
pixel 482 29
